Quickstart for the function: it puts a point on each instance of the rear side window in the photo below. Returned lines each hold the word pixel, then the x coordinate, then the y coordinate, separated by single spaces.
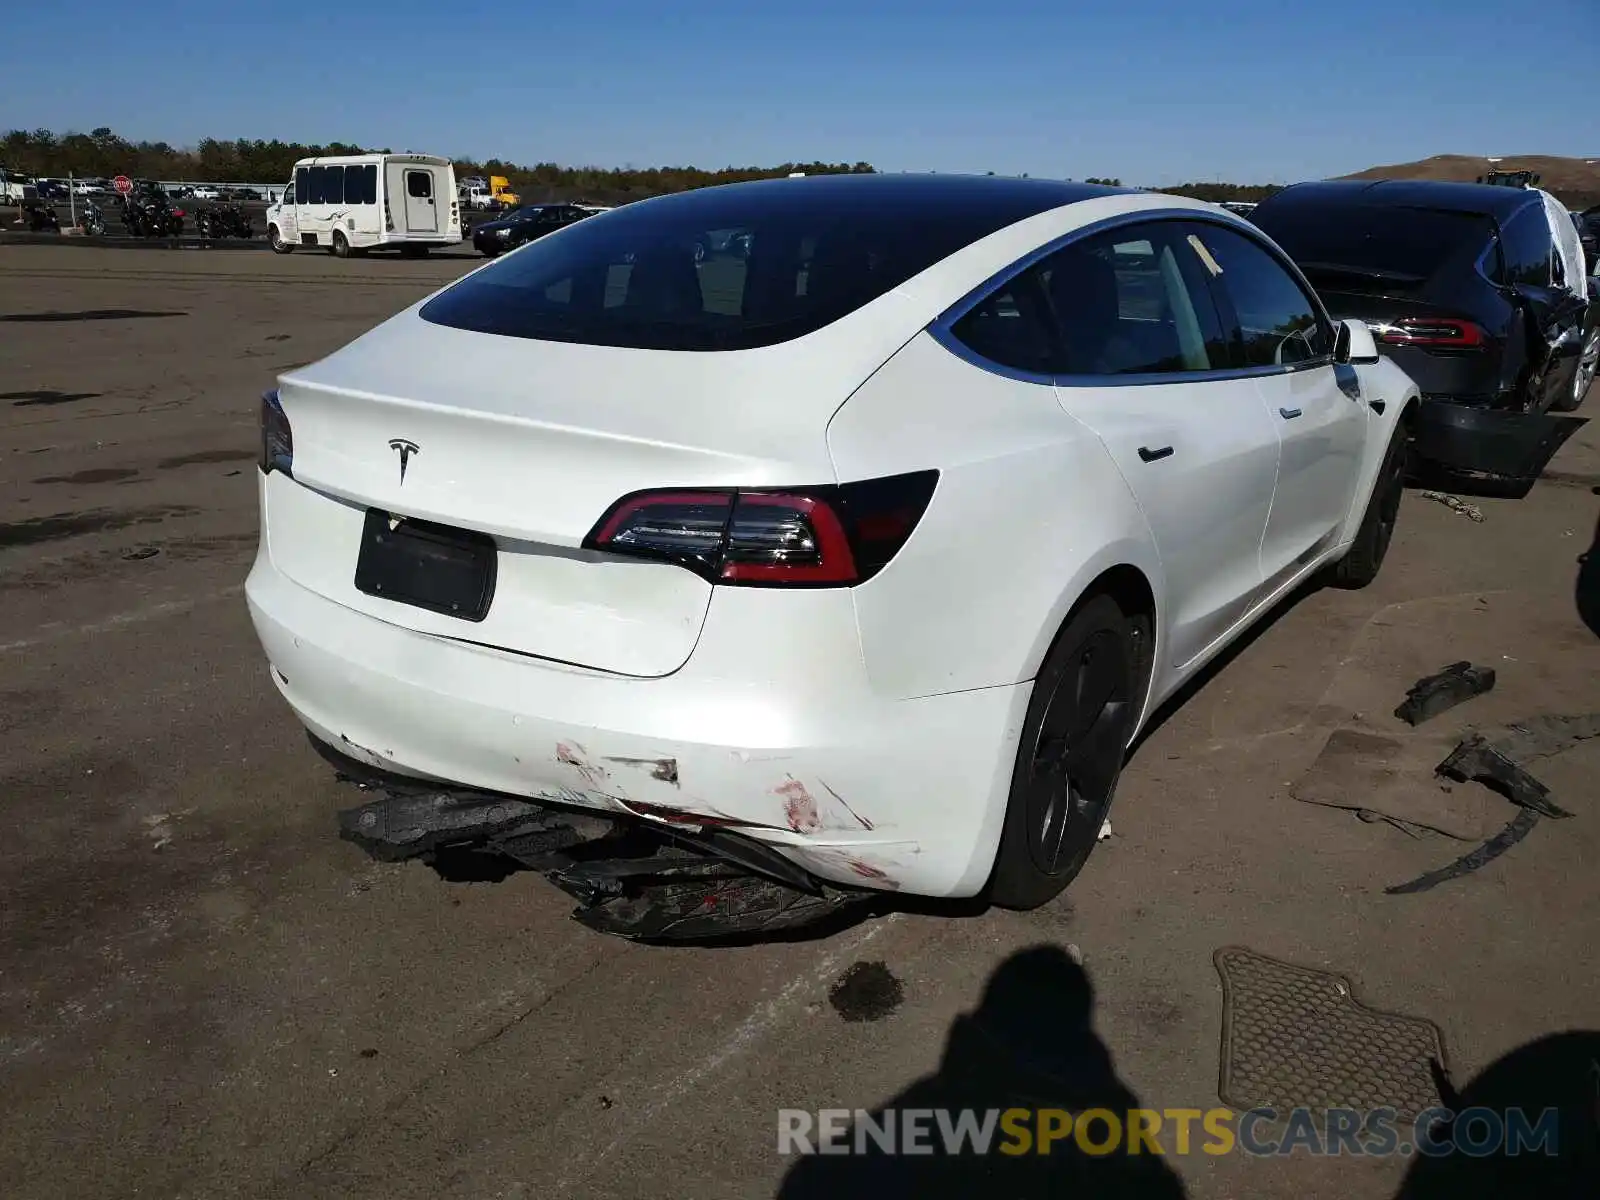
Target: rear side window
pixel 319 176
pixel 368 175
pixel 1528 247
pixel 1354 246
pixel 727 268
pixel 1012 327
pixel 302 185
pixel 333 186
pixel 1277 321
pixel 1493 263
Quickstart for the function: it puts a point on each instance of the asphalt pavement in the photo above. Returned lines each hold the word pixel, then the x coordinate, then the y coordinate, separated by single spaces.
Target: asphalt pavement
pixel 205 993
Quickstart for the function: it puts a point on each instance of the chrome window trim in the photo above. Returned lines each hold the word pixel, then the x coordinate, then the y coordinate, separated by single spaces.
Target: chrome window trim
pixel 942 327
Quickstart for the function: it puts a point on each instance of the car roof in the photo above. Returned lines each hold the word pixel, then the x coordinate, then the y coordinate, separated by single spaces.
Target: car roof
pixel 908 194
pixel 1483 199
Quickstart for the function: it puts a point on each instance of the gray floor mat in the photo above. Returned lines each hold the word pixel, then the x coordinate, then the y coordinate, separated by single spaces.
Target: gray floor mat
pixel 1295 1037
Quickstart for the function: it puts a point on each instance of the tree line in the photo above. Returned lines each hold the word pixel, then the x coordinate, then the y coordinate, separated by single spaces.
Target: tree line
pixel 102 153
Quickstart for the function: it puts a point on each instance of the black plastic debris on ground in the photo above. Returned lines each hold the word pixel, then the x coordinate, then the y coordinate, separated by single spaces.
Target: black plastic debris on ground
pixel 1497 764
pixel 1476 759
pixel 868 991
pixel 1434 694
pixel 636 881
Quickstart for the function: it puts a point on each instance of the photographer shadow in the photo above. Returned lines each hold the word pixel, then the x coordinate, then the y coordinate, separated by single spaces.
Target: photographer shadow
pixel 1560 1072
pixel 1030 1044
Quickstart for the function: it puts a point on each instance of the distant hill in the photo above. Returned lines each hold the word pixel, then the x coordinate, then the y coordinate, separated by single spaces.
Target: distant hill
pixel 1573 180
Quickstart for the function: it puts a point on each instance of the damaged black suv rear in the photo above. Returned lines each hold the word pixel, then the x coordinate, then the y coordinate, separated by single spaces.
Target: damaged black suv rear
pixel 1468 289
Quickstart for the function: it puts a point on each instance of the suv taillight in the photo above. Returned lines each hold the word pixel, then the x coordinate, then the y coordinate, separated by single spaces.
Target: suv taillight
pixel 836 535
pixel 277 440
pixel 1436 333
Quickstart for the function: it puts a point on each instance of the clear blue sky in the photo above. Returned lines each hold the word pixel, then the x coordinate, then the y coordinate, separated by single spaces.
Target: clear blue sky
pixel 1152 91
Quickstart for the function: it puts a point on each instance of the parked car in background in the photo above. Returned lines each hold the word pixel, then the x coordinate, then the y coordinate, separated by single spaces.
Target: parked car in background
pixel 17 188
pixel 525 224
pixel 1464 287
pixel 206 191
pixel 875 552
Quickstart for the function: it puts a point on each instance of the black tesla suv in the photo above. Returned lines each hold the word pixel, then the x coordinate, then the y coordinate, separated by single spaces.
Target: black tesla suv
pixel 1464 288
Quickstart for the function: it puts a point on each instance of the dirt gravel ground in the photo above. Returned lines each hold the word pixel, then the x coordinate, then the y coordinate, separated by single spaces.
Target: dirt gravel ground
pixel 204 993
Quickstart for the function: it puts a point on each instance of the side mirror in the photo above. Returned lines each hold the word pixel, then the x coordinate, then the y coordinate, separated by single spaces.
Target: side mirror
pixel 1355 343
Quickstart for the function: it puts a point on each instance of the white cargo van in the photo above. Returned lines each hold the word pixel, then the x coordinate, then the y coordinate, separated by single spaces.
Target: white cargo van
pixel 358 202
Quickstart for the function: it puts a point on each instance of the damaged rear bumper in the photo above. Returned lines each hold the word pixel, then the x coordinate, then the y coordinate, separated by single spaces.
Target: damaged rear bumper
pixel 630 878
pixel 1489 442
pixel 779 742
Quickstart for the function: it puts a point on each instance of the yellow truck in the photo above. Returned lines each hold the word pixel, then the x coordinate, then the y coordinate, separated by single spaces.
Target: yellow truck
pixel 494 193
pixel 500 189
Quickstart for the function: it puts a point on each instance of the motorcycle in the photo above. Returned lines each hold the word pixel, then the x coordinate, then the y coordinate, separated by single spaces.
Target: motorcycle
pixel 41 218
pixel 92 220
pixel 151 215
pixel 223 221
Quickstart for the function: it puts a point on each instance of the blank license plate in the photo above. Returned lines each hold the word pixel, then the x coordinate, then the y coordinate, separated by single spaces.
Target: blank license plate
pixel 437 567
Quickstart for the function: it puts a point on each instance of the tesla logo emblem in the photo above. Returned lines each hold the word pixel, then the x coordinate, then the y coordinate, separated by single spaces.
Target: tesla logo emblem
pixel 405 450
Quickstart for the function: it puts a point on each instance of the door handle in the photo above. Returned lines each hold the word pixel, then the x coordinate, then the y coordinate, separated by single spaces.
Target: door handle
pixel 1288 414
pixel 1149 455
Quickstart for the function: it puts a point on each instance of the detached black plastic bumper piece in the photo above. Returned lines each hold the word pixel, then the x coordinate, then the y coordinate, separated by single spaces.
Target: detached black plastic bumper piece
pixel 1434 694
pixel 630 877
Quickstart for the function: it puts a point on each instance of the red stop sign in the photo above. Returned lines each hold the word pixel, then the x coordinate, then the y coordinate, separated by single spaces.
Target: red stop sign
pixel 123 184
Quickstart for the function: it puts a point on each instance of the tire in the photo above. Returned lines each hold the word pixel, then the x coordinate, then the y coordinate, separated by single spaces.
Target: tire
pixel 1364 559
pixel 1070 755
pixel 1583 377
pixel 275 240
pixel 341 245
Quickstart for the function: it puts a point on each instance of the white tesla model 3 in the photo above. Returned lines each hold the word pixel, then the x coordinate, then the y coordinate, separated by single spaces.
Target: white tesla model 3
pixel 866 517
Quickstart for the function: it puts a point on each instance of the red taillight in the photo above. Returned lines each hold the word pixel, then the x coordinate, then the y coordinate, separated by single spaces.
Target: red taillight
pixel 827 536
pixel 1437 333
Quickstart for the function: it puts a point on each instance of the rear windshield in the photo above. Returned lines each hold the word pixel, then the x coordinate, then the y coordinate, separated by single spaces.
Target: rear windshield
pixel 728 268
pixel 1404 247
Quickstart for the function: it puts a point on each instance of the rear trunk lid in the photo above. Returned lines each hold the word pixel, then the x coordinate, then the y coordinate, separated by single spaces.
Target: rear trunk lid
pixel 531 442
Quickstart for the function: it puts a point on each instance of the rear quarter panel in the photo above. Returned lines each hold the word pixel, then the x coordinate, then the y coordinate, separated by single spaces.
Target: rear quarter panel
pixel 1029 509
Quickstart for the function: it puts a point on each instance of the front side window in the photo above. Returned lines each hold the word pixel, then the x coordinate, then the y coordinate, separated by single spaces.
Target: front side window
pixel 1278 322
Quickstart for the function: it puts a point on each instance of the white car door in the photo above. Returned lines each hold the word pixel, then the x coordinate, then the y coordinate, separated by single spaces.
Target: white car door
pixel 1287 341
pixel 1146 367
